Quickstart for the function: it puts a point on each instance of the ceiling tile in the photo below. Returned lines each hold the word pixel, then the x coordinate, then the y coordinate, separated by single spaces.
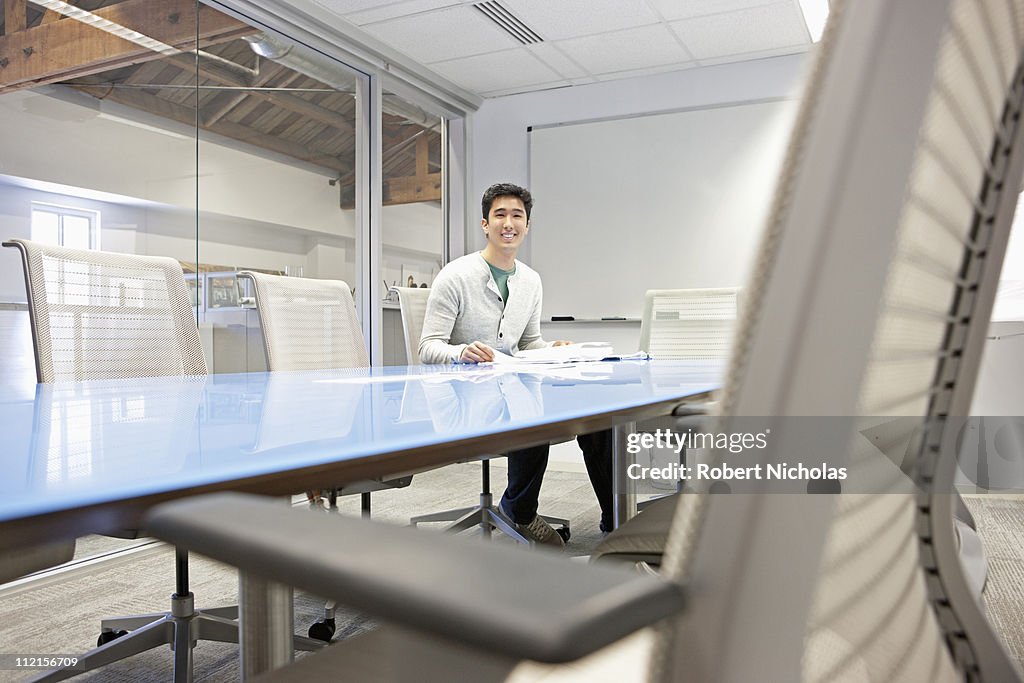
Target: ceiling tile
pixel 558 19
pixel 496 71
pixel 684 9
pixel 635 48
pixel 751 30
pixel 556 59
pixel 397 9
pixel 445 34
pixel 346 6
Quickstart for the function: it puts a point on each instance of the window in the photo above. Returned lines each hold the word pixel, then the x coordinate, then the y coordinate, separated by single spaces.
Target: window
pixel 65 227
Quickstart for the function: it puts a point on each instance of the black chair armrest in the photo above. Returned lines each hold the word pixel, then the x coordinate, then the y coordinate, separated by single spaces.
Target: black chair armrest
pixel 533 605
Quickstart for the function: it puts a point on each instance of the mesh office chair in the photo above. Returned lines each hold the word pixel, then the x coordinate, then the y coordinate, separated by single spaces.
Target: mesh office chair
pixel 687 324
pixel 311 324
pixel 99 315
pixel 413 301
pixel 905 162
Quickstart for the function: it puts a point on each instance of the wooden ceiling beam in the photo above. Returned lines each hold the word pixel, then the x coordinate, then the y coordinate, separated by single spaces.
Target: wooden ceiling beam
pixel 411 154
pixel 211 70
pixel 422 156
pixel 62 50
pixel 15 17
pixel 138 99
pixel 285 100
pixel 49 16
pixel 232 100
pixel 299 105
pixel 291 149
pixel 146 73
pixel 410 189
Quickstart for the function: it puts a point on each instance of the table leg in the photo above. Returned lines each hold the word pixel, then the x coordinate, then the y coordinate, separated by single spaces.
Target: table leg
pixel 623 488
pixel 266 625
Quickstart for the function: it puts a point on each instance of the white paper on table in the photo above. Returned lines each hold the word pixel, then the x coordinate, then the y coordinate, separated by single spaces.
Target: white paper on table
pixel 567 353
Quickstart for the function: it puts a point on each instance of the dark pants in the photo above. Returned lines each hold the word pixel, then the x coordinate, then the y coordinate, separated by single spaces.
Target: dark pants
pixel 526 474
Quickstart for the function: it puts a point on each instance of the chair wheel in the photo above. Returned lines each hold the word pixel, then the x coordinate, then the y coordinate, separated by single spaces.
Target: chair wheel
pixel 322 630
pixel 564 533
pixel 109 636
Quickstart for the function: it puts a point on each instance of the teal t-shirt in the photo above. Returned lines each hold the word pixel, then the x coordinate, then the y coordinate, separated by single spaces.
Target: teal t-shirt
pixel 501 279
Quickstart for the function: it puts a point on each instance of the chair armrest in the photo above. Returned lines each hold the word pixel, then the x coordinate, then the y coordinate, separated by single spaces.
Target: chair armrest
pixel 695 409
pixel 533 605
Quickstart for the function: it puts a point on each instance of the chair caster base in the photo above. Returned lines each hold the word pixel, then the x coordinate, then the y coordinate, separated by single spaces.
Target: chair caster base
pixel 109 636
pixel 323 630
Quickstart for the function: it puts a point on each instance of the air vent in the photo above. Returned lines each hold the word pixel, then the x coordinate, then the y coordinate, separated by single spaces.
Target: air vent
pixel 494 11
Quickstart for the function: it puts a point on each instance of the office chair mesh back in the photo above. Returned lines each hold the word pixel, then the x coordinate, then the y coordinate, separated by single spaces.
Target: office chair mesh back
pixel 308 324
pixel 692 324
pixel 413 301
pixel 100 315
pixel 882 604
pixel 871 615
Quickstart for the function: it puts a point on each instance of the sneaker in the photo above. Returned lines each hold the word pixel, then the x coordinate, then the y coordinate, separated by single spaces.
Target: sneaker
pixel 539 532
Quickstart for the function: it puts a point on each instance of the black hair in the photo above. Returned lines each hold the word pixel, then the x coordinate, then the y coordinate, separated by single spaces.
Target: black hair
pixel 506 190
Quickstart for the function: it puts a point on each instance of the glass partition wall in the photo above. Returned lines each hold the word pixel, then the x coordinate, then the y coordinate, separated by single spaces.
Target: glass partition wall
pixel 276 177
pixel 412 217
pixel 176 129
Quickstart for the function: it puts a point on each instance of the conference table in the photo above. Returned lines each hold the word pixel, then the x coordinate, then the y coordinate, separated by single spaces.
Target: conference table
pixel 93 456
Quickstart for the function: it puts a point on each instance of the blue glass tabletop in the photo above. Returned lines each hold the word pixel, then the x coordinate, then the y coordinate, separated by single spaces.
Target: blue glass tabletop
pixel 72 445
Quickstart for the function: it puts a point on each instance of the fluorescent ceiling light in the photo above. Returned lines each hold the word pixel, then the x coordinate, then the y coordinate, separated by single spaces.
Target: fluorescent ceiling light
pixel 815 13
pixel 114 28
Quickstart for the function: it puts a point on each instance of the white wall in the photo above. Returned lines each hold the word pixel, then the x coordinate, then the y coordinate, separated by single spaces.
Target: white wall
pixel 413 237
pixel 499 137
pixel 167 231
pixel 16 221
pixel 254 212
pixel 47 139
pixel 500 147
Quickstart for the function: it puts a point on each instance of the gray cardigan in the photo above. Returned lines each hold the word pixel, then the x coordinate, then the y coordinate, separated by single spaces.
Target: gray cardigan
pixel 465 306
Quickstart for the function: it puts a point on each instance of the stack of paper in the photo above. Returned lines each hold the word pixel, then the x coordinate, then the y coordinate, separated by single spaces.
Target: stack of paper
pixel 568 353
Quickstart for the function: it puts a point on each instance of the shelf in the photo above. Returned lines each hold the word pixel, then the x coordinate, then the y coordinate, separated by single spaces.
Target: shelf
pixel 549 321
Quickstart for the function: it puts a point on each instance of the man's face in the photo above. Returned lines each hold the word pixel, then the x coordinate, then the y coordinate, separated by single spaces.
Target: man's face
pixel 506 225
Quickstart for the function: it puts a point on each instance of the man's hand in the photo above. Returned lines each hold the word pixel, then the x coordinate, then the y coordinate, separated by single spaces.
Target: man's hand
pixel 562 342
pixel 477 352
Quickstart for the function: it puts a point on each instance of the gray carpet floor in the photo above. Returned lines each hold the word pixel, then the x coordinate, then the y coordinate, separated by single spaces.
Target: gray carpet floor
pixel 62 618
pixel 1001 527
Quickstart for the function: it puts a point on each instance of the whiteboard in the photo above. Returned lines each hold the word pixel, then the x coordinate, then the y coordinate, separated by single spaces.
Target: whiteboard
pixel 664 201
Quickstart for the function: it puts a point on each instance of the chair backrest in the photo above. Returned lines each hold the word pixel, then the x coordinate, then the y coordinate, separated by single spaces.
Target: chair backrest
pixel 870 297
pixel 688 323
pixel 100 315
pixel 308 324
pixel 413 301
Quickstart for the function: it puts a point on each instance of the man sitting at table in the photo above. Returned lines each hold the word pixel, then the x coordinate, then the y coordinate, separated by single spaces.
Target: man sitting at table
pixel 486 301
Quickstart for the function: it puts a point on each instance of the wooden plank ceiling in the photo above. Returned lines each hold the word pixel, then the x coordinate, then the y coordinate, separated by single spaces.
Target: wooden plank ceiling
pixel 239 95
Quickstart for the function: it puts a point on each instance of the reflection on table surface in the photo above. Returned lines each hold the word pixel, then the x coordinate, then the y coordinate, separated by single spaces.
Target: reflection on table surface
pixel 69 445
